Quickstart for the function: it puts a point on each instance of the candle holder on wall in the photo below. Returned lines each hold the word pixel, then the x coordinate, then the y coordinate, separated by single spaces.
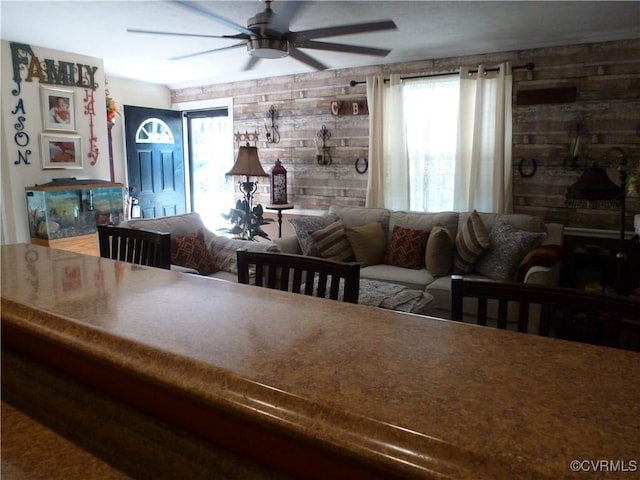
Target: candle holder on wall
pixel 323 157
pixel 270 125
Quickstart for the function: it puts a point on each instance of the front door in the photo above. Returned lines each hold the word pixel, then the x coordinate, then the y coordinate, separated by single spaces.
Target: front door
pixel 155 160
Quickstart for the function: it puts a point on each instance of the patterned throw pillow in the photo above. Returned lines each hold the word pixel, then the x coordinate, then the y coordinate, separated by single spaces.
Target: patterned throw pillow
pixel 304 226
pixel 508 247
pixel 332 242
pixel 439 256
pixel 407 248
pixel 471 242
pixel 191 251
pixel 368 242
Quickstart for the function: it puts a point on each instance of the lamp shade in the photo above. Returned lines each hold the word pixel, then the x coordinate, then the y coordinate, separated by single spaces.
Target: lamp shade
pixel 247 163
pixel 594 185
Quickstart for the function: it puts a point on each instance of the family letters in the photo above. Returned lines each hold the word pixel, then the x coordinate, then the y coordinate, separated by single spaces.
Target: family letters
pixel 49 71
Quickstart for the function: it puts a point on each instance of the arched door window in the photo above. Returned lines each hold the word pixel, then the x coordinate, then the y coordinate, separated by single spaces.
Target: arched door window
pixel 154 130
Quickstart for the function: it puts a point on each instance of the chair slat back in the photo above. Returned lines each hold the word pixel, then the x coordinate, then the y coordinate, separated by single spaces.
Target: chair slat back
pixel 573 314
pixel 143 247
pixel 287 272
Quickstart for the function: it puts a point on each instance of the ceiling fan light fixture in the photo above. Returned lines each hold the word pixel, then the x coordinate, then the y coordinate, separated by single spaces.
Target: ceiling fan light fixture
pixel 267 48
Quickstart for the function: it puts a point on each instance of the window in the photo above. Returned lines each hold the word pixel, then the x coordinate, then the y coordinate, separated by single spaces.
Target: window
pixel 431 120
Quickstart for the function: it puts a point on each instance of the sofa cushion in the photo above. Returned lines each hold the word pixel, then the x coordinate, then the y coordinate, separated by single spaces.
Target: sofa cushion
pixel 416 279
pixel 521 221
pixel 332 242
pixel 508 247
pixel 407 248
pixel 191 251
pixel 439 254
pixel 304 226
pixel 472 241
pixel 424 220
pixel 368 242
pixel 176 225
pixel 359 216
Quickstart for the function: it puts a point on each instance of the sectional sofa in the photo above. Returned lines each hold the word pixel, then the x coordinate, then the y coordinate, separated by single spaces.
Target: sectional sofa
pixel 385 242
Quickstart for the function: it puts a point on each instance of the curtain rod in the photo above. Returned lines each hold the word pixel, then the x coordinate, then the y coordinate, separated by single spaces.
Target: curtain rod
pixel 529 66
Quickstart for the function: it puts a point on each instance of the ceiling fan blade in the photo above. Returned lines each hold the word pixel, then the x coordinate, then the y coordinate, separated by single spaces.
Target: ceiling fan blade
pixel 340 47
pixel 213 16
pixel 342 30
pixel 280 20
pixel 182 57
pixel 178 34
pixel 251 63
pixel 304 58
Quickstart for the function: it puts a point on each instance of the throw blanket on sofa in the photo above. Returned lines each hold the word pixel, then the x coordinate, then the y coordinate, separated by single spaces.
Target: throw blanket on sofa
pixel 393 296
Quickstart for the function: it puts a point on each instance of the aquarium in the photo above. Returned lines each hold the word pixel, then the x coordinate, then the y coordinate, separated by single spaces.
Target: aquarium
pixel 68 207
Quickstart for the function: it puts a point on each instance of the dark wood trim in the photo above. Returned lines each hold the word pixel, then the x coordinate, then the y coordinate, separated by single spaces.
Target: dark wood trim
pixel 546 95
pixel 263 444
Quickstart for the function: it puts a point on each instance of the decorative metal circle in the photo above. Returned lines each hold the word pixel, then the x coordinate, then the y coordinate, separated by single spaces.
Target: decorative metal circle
pixel 527 170
pixel 364 168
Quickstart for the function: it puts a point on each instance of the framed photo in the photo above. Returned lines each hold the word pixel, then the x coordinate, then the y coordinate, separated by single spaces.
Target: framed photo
pixel 61 151
pixel 58 109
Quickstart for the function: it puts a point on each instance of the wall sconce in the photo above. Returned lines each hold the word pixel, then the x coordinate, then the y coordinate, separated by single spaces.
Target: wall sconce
pixel 323 156
pixel 576 146
pixel 270 126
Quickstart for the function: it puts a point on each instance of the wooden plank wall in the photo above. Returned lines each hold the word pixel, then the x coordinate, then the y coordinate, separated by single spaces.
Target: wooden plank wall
pixel 607 105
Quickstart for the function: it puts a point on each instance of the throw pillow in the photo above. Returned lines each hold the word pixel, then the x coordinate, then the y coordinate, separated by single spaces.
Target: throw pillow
pixel 471 242
pixel 368 242
pixel 439 255
pixel 332 243
pixel 191 251
pixel 304 226
pixel 508 248
pixel 407 248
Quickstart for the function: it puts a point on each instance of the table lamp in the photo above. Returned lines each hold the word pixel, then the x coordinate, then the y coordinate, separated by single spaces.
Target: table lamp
pixel 248 164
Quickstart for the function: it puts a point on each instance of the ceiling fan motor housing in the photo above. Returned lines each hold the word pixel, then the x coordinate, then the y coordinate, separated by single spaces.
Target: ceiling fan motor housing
pixel 261 44
pixel 267 47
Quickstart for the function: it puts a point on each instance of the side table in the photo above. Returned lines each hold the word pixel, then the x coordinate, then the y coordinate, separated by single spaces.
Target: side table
pixel 279 209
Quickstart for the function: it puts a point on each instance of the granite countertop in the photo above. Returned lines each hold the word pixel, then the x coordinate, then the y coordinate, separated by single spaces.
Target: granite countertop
pixel 423 396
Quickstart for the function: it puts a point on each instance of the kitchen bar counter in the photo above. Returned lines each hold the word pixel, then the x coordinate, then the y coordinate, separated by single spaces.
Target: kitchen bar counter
pixel 316 388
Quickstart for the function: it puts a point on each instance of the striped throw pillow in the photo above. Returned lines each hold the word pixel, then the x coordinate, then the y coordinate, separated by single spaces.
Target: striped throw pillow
pixel 471 242
pixel 332 242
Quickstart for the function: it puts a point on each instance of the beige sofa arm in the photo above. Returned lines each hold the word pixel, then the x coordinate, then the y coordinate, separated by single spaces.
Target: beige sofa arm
pixel 223 251
pixel 545 276
pixel 541 266
pixel 289 244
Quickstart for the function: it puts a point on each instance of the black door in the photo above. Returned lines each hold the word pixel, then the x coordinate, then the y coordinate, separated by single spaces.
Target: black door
pixel 155 160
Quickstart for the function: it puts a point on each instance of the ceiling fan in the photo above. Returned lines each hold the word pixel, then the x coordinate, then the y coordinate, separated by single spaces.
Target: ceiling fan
pixel 267 35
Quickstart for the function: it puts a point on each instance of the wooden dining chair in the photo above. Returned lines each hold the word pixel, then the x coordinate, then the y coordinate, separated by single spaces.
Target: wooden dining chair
pixel 144 247
pixel 300 274
pixel 567 313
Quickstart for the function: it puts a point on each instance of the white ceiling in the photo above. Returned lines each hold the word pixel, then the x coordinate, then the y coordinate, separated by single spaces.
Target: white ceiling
pixel 426 30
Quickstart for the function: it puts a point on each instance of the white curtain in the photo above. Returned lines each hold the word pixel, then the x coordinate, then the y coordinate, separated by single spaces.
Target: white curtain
pixel 483 159
pixel 388 174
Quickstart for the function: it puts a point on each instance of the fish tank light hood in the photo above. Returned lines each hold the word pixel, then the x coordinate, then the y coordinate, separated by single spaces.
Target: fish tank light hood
pixel 71 182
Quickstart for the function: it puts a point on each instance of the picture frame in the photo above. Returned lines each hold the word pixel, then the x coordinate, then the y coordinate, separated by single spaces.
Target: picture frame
pixel 61 151
pixel 58 109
